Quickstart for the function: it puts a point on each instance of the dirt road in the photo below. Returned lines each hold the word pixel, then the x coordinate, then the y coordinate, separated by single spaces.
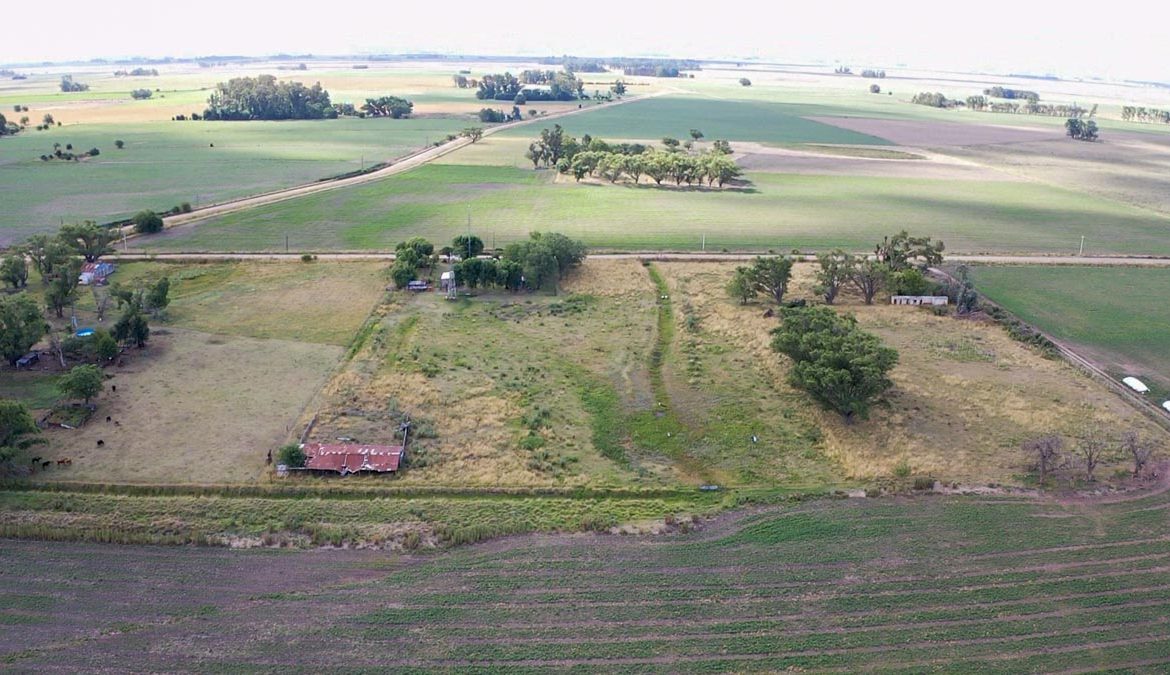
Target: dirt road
pixel 358 256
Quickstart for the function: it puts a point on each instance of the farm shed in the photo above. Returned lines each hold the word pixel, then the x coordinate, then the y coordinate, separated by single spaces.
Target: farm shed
pixel 446 280
pixel 418 286
pixel 346 458
pixel 1136 384
pixel 930 300
pixel 95 273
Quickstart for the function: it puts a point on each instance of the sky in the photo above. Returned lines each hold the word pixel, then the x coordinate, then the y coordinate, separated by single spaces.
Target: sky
pixel 1069 39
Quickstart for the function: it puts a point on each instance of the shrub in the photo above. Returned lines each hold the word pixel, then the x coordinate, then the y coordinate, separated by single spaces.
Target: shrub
pixel 119 144
pixel 306 257
pixel 902 469
pixel 94 152
pixel 923 483
pixel 147 222
pixel 185 207
pixel 291 455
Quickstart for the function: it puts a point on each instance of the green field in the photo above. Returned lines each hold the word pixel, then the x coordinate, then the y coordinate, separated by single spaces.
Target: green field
pixel 166 163
pixel 778 211
pixel 731 120
pixel 956 585
pixel 1119 315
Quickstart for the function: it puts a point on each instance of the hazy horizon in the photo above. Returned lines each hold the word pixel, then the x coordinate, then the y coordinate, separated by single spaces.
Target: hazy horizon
pixel 998 36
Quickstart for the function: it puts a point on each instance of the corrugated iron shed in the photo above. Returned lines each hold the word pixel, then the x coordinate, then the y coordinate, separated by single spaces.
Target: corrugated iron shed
pixel 346 458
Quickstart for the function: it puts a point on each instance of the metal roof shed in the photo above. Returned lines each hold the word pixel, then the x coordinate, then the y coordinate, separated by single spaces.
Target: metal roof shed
pixel 1136 384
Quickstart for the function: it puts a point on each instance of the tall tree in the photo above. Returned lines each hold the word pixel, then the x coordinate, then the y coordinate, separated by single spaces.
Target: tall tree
pixel 467 245
pixel 21 326
pixel 14 270
pixel 88 240
pixel 869 277
pixel 18 432
pixel 771 276
pixel 835 270
pixel 902 251
pixel 62 290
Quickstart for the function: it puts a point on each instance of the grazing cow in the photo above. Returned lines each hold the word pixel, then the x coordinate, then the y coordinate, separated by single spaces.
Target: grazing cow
pixel 113 387
pixel 64 462
pixel 45 465
pixel 34 460
pixel 109 419
pixel 101 442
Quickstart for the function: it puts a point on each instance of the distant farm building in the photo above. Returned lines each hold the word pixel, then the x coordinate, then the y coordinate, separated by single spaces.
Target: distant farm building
pixel 95 273
pixel 346 458
pixel 1136 384
pixel 930 300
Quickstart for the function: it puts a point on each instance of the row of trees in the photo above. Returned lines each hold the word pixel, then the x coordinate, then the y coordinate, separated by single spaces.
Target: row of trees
pixel 533 85
pixel 265 98
pixel 1089 449
pixel 1004 92
pixel 613 161
pixel 141 94
pixel 898 264
pixel 880 74
pixel 137 72
pixel 533 263
pixel 982 103
pixel 1144 114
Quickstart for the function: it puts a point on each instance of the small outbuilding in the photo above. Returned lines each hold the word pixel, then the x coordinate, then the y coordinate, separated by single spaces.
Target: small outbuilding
pixel 1136 384
pixel 418 286
pixel 929 300
pixel 28 360
pixel 95 273
pixel 446 280
pixel 347 458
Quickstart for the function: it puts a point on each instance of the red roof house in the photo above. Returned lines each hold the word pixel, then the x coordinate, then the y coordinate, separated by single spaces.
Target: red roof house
pixel 345 458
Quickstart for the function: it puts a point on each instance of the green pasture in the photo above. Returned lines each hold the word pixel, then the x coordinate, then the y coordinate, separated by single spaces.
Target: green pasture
pixel 1119 314
pixel 732 120
pixel 166 163
pixel 777 211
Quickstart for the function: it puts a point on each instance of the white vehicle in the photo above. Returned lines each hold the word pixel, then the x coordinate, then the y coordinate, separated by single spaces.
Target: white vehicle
pixel 1136 384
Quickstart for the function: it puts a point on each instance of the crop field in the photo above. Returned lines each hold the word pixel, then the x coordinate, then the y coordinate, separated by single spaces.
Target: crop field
pixel 946 584
pixel 731 120
pixel 1117 316
pixel 166 163
pixel 777 211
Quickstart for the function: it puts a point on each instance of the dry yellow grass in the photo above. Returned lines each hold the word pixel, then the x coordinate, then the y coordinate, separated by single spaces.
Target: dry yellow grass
pixel 965 394
pixel 193 408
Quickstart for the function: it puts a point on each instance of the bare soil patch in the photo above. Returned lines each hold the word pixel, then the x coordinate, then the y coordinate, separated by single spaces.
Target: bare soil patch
pixel 756 157
pixel 192 408
pixel 930 133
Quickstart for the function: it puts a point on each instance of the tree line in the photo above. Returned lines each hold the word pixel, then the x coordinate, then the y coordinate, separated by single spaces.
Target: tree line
pixel 1004 92
pixel 137 72
pixel 264 98
pixel 614 161
pixel 1131 113
pixel 532 85
pixel 1081 130
pixel 531 264
pixel 982 103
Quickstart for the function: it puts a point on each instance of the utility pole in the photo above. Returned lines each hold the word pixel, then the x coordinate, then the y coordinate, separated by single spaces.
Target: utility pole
pixel 286 243
pixel 704 243
pixel 469 231
pixel 1082 251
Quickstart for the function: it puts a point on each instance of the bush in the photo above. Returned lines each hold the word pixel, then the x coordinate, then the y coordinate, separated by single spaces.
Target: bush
pixel 291 455
pixel 924 483
pixel 119 144
pixel 185 207
pixel 147 222
pixel 306 257
pixel 94 152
